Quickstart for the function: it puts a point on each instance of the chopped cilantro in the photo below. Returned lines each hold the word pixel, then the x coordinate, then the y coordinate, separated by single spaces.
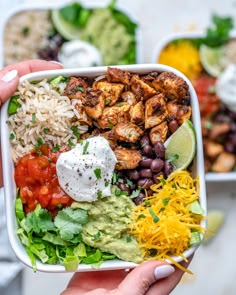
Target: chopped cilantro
pixel 96 236
pixel 25 31
pixel 12 136
pixel 135 193
pixel 81 89
pixel 107 102
pixel 154 216
pixel 106 183
pixel 162 180
pixel 75 131
pixel 165 201
pixel 85 148
pixel 173 158
pixel 45 130
pixel 141 216
pixel 99 195
pixel 56 148
pixel 97 173
pixel 33 118
pixel 128 239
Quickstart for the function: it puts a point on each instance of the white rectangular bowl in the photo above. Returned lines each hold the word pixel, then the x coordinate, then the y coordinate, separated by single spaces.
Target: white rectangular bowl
pixel 91 4
pixel 210 176
pixel 8 166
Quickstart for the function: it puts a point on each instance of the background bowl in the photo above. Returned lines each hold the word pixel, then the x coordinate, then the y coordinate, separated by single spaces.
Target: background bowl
pixel 8 166
pixel 210 176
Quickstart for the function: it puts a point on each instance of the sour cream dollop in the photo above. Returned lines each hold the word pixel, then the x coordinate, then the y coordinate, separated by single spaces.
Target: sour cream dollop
pixel 85 172
pixel 226 87
pixel 74 54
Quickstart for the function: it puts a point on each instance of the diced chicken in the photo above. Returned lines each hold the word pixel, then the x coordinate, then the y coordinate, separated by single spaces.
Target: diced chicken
pixel 128 132
pixel 94 103
pixel 82 115
pixel 178 111
pixel 109 136
pixel 155 111
pixel 213 149
pixel 129 97
pixel 137 114
pixel 141 89
pixel 171 85
pixel 118 76
pixel 111 91
pixel 219 129
pixel 127 158
pixel 224 163
pixel 76 88
pixel 114 115
pixel 159 133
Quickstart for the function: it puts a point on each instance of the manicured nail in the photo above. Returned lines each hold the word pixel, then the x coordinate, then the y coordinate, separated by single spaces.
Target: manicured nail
pixel 163 271
pixel 56 62
pixel 10 76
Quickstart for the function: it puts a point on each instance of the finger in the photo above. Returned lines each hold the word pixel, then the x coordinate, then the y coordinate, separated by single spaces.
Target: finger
pixel 30 66
pixel 96 279
pixel 9 76
pixel 142 277
pixel 167 285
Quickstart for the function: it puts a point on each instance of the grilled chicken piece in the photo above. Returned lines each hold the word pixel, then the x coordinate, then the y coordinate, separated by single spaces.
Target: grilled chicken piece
pixel 112 91
pixel 129 97
pixel 82 115
pixel 171 86
pixel 94 103
pixel 137 114
pixel 159 133
pixel 155 110
pixel 114 115
pixel 118 75
pixel 219 129
pixel 127 159
pixel 76 88
pixel 141 89
pixel 179 111
pixel 224 163
pixel 110 137
pixel 212 149
pixel 128 132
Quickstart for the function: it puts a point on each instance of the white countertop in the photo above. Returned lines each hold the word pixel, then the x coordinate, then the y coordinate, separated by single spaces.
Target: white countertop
pixel 213 265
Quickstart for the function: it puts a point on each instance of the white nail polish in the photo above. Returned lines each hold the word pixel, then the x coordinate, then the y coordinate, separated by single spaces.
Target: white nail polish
pixel 10 76
pixel 163 271
pixel 56 62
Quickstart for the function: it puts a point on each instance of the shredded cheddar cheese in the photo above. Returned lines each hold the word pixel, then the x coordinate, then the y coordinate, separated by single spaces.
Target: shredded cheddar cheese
pixel 163 223
pixel 183 56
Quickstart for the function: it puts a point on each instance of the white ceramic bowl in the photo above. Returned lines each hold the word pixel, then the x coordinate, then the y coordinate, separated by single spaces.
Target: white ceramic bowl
pixel 210 176
pixel 90 4
pixel 8 167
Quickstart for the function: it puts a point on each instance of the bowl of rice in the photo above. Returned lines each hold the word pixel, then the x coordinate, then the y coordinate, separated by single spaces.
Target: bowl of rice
pixel 90 180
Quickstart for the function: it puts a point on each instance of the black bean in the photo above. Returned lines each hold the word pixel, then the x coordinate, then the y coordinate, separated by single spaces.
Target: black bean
pixel 173 126
pixel 159 149
pixel 157 165
pixel 168 168
pixel 123 187
pixel 145 183
pixel 148 151
pixel 145 173
pixel 156 176
pixel 133 174
pixel 229 147
pixel 139 199
pixel 144 141
pixel 150 192
pixel 145 162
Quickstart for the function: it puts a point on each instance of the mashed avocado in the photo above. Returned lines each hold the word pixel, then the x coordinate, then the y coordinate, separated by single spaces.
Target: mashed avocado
pixel 101 27
pixel 107 228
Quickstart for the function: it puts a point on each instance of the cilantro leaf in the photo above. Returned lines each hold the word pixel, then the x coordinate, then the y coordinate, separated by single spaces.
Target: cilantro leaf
pixel 69 222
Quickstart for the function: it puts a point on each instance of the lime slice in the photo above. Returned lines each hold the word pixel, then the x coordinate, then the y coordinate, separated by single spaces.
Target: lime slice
pixel 64 28
pixel 181 146
pixel 215 219
pixel 211 59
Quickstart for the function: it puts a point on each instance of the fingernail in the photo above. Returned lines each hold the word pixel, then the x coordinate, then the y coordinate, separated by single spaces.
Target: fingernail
pixel 10 76
pixel 163 271
pixel 56 62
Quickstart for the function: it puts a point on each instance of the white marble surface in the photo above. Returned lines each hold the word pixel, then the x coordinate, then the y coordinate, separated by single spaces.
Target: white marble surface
pixel 213 265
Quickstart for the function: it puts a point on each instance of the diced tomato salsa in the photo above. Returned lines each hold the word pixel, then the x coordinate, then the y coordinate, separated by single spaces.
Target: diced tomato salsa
pixel 35 176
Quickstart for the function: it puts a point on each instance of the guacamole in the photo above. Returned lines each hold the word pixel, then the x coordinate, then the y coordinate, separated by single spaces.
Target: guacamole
pixel 109 36
pixel 107 228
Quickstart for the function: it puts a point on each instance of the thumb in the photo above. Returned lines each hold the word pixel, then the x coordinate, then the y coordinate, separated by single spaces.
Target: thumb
pixel 142 277
pixel 8 84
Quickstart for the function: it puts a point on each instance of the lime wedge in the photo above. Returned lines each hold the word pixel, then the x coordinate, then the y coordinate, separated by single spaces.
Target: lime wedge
pixel 64 28
pixel 211 59
pixel 215 219
pixel 181 146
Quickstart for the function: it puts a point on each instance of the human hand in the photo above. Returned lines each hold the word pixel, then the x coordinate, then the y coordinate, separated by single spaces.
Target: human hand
pixel 149 278
pixel 9 79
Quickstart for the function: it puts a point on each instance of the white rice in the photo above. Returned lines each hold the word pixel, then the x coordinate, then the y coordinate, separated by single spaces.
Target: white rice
pixel 42 107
